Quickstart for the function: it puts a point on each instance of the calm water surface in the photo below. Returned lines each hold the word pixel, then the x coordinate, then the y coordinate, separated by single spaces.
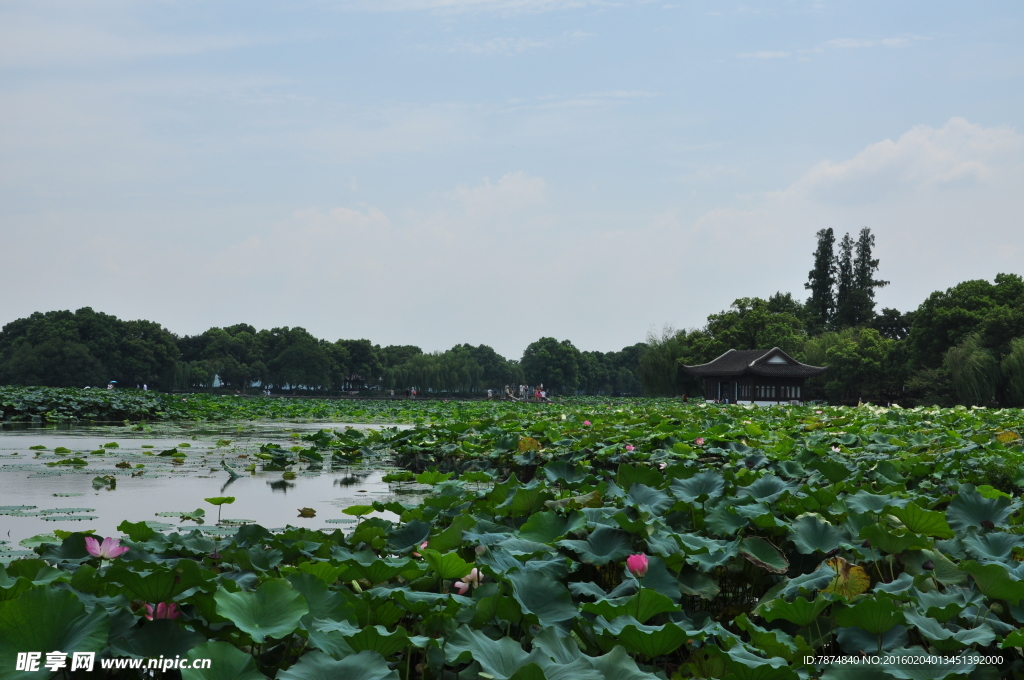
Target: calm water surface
pixel 36 498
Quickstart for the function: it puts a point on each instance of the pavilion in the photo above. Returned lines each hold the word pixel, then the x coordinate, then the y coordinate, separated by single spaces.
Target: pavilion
pixel 759 376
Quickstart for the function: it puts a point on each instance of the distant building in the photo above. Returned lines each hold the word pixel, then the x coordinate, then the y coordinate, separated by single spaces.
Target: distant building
pixel 759 376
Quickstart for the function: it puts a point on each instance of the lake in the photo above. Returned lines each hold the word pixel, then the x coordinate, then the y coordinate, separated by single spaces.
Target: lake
pixel 38 495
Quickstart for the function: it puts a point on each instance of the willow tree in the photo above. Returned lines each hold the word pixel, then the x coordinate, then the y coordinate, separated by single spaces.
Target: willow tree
pixel 1013 372
pixel 974 370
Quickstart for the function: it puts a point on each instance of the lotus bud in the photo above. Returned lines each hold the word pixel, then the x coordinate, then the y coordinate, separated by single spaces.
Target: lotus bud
pixel 637 565
pixel 480 550
pixel 356 587
pixel 996 608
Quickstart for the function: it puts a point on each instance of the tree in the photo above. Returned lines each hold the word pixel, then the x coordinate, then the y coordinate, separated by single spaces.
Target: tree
pixel 1013 372
pixel 845 314
pixel 862 301
pixel 821 281
pixel 893 324
pixel 974 370
pixel 552 363
pixel 750 324
pixel 65 349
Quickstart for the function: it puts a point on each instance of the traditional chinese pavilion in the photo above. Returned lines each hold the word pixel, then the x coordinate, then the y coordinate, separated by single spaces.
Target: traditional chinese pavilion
pixel 759 376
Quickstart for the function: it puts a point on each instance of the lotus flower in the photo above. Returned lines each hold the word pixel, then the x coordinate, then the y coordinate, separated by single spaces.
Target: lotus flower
pixel 107 550
pixel 699 441
pixel 586 423
pixel 422 546
pixel 630 447
pixel 163 611
pixel 637 565
pixel 470 580
pixel 662 466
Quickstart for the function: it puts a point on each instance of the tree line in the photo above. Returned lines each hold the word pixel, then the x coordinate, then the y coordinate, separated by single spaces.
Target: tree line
pixel 89 348
pixel 964 345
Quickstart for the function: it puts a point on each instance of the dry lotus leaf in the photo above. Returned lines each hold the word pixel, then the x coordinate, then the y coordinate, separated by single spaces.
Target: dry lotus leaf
pixel 307 512
pixel 850 579
pixel 528 444
pixel 1006 437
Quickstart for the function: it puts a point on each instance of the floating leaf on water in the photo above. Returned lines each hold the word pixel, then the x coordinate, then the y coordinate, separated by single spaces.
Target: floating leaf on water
pixel 67 495
pixel 307 512
pixel 67 518
pixel 37 447
pixel 62 449
pixel 57 511
pixel 111 445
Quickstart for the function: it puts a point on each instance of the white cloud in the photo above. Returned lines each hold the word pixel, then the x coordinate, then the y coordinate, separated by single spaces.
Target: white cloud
pixel 959 154
pixel 509 46
pixel 763 55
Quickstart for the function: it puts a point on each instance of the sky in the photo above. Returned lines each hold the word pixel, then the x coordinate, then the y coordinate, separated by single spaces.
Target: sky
pixel 434 172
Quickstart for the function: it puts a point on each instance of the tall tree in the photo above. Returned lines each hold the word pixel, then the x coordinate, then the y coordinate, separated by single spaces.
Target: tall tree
pixel 862 302
pixel 846 297
pixel 821 281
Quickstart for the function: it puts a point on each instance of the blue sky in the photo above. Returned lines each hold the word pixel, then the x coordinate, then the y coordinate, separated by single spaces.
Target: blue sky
pixel 492 171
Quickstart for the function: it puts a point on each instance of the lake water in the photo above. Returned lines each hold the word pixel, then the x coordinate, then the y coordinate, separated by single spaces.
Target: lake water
pixel 36 498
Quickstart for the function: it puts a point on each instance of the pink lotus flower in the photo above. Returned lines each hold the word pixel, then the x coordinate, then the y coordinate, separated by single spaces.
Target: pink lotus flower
pixel 586 423
pixel 630 447
pixel 470 580
pixel 637 565
pixel 818 412
pixel 108 550
pixel 422 546
pixel 662 466
pixel 163 611
pixel 836 449
pixel 699 441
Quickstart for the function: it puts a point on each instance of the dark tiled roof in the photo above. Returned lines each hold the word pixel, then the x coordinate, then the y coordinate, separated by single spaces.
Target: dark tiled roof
pixel 755 361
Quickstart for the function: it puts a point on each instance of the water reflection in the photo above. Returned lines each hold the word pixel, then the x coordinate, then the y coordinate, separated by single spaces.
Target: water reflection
pixel 281 485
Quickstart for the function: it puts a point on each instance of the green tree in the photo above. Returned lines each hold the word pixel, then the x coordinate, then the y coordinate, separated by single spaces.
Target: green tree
pixel 553 364
pixel 750 324
pixel 862 301
pixel 1013 372
pixel 974 370
pixel 821 281
pixel 845 312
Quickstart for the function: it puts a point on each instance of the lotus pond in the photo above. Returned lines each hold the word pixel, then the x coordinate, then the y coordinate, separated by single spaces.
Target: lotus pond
pixel 595 540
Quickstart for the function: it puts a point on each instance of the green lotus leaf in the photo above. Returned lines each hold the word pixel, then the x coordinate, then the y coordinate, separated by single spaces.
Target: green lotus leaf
pixel 893 541
pixel 810 533
pixel 970 509
pixel 628 475
pixel 325 571
pixel 500 659
pixel 273 610
pixel 765 555
pixel 643 606
pixel 48 619
pixel 767 488
pixel 226 663
pixel 919 521
pixel 746 665
pixel 946 640
pixel 800 611
pixel 994 581
pixel 446 566
pixel 774 643
pixel 649 499
pixel 604 545
pixel 993 547
pixel 617 665
pixel 330 637
pixel 323 603
pixel 543 597
pixel 864 501
pixel 411 535
pixel 162 637
pixel 547 527
pixel 318 666
pixel 162 584
pixel 699 488
pixel 874 615
pixel 859 641
pixel 723 520
pixel 378 639
pixel 651 641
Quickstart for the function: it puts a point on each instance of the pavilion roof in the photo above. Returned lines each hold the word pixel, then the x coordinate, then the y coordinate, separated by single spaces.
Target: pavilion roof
pixel 765 362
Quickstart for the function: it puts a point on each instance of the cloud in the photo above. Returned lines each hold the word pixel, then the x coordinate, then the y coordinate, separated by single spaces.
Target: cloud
pixel 509 46
pixel 852 43
pixel 505 6
pixel 959 154
pixel 763 55
pixel 35 43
